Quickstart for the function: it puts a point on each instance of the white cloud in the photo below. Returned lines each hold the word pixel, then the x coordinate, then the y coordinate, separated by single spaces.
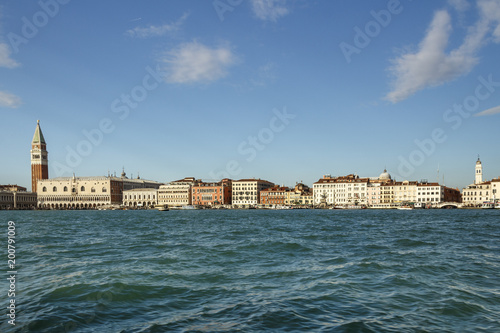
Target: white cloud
pixel 490 11
pixel 157 30
pixel 269 10
pixel 459 5
pixel 9 100
pixel 489 112
pixel 5 59
pixel 431 65
pixel 194 62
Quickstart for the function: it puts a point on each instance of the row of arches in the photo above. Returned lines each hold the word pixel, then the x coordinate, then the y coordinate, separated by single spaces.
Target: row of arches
pixel 134 204
pixel 70 205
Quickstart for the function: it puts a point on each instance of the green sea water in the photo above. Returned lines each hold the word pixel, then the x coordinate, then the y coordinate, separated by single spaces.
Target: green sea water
pixel 254 271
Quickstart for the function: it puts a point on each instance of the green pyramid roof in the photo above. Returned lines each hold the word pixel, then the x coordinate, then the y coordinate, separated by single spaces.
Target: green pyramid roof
pixel 38 137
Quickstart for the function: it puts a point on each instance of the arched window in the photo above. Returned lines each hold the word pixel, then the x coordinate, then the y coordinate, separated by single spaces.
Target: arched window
pixel 54 189
pixel 104 190
pixel 82 189
pixel 92 190
pixel 73 190
pixel 44 189
pixel 65 189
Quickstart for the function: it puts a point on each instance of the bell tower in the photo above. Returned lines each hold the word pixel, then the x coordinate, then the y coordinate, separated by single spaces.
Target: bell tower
pixel 479 172
pixel 39 161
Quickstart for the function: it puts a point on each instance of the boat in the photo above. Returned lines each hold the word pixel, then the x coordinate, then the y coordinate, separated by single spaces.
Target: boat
pixel 488 205
pixel 419 205
pixel 162 208
pixel 405 208
pixel 356 207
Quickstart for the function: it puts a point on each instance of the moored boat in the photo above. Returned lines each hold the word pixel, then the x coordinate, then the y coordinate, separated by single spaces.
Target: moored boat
pixel 488 205
pixel 162 208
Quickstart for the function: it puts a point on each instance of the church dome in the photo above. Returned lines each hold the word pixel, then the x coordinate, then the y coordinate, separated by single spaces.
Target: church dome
pixel 385 175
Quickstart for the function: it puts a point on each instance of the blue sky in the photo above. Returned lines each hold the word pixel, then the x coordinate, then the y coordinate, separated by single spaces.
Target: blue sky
pixel 284 90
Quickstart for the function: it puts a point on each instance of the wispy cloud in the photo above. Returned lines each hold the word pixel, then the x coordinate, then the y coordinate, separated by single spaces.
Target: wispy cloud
pixel 489 112
pixel 9 100
pixel 157 30
pixel 194 62
pixel 459 5
pixel 5 59
pixel 270 10
pixel 431 65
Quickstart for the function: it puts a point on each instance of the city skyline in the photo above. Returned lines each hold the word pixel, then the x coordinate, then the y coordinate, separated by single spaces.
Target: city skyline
pixel 281 90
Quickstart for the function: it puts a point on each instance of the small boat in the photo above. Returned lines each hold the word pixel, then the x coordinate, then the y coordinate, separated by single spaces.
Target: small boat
pixel 405 208
pixel 488 205
pixel 162 208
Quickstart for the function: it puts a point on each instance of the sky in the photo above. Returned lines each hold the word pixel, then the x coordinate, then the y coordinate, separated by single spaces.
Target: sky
pixel 282 90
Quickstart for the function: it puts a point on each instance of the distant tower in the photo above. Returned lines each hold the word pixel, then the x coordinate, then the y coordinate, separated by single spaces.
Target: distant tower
pixel 39 161
pixel 479 172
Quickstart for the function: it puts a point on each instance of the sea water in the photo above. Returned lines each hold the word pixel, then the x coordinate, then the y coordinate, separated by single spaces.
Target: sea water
pixel 254 271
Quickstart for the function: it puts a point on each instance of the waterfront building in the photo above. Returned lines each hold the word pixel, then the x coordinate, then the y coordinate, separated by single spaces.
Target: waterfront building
pixel 246 192
pixel 374 194
pixel 387 194
pixel 479 192
pixel 430 193
pixel 345 190
pixel 405 191
pixel 140 198
pixel 476 194
pixel 39 158
pixel 452 195
pixel 87 192
pixel 300 195
pixel 495 190
pixel 16 197
pixel 212 193
pixel 177 193
pixel 274 196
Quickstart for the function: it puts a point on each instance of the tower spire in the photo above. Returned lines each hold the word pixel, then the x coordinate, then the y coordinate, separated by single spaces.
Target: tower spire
pixel 39 157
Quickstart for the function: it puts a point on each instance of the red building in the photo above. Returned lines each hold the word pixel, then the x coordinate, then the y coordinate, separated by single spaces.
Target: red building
pixel 39 160
pixel 275 195
pixel 212 194
pixel 452 195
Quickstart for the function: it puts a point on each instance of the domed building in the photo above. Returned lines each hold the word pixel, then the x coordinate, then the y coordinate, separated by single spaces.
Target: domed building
pixel 385 176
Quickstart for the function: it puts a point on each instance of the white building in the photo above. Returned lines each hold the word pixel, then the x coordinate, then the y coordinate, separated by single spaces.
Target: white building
pixel 479 192
pixel 246 192
pixel 346 190
pixel 430 193
pixel 177 193
pixel 86 192
pixel 405 191
pixel 495 190
pixel 140 198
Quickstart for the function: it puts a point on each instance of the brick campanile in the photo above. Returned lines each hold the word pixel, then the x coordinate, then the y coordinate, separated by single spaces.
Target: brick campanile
pixel 39 161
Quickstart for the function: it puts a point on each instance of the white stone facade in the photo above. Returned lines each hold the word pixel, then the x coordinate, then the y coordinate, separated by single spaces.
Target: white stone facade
pixel 177 193
pixel 246 192
pixel 430 193
pixel 85 192
pixel 140 198
pixel 348 190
